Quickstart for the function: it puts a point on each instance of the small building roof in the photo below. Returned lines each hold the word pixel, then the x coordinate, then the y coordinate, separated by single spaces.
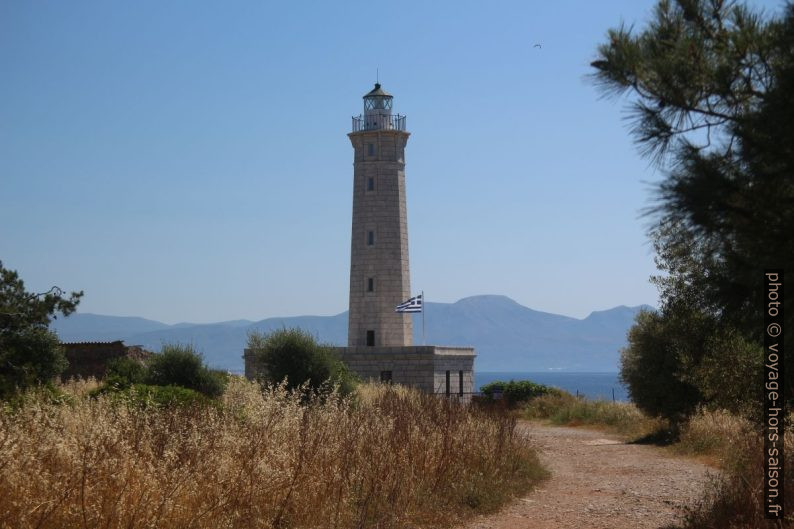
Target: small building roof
pixel 114 342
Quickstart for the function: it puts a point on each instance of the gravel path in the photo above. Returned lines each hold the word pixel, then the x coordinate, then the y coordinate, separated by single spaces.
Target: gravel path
pixel 600 482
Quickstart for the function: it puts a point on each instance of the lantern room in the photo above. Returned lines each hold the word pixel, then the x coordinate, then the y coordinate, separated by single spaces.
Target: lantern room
pixel 377 112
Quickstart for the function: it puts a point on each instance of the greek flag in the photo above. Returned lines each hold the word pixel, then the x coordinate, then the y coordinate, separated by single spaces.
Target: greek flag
pixel 412 305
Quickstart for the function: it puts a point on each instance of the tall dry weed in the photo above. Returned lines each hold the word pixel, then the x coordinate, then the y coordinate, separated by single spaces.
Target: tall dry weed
pixel 714 433
pixel 391 458
pixel 735 499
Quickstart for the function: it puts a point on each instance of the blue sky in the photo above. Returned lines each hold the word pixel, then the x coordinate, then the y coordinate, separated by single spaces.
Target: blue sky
pixel 188 161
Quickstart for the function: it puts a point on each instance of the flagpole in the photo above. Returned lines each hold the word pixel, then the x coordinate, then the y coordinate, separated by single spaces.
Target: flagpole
pixel 424 341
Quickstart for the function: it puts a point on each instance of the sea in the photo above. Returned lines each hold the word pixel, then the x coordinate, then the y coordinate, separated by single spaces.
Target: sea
pixel 592 385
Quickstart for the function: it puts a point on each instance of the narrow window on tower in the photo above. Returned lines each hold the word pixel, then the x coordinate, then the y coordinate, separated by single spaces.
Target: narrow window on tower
pixel 370 338
pixel 370 184
pixel 460 383
pixel 447 383
pixel 370 149
pixel 370 238
pixel 370 284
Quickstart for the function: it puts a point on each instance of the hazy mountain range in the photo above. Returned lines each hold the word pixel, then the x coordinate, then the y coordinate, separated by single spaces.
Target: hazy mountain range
pixel 507 336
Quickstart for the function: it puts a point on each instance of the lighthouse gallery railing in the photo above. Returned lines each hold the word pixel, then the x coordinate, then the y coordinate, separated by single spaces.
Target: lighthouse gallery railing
pixel 378 122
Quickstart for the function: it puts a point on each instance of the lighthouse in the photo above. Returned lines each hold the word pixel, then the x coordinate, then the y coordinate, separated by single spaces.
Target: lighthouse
pixel 379 271
pixel 380 339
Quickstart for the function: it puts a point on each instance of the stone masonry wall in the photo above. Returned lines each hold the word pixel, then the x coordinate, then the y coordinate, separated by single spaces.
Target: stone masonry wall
pixel 379 207
pixel 252 370
pixel 457 361
pixel 422 367
pixel 409 366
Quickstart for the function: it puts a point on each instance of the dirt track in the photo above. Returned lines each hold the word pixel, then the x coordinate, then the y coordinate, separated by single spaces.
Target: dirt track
pixel 600 482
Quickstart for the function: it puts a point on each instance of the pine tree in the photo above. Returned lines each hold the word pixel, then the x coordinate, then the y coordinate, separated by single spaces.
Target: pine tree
pixel 710 86
pixel 29 352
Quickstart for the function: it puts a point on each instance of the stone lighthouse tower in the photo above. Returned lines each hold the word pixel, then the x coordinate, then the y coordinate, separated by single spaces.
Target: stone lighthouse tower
pixel 379 338
pixel 379 273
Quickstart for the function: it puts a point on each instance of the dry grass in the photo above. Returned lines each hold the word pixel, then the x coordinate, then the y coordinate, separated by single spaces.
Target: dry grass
pixel 714 436
pixel 391 458
pixel 79 387
pixel 735 499
pixel 617 417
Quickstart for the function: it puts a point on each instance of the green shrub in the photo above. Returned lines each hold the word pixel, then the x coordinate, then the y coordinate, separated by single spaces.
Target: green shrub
pixel 145 395
pixel 122 372
pixel 46 392
pixel 180 365
pixel 653 365
pixel 565 409
pixel 730 374
pixel 29 357
pixel 516 391
pixel 30 354
pixel 294 356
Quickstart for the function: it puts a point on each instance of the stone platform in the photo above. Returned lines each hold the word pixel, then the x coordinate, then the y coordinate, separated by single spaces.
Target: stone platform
pixel 430 368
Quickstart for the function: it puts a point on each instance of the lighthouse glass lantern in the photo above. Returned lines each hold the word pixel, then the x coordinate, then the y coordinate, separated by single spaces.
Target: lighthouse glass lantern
pixel 377 109
pixel 377 112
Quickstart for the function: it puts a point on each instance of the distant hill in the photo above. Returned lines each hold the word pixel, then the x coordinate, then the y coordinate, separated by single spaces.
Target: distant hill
pixel 94 327
pixel 506 335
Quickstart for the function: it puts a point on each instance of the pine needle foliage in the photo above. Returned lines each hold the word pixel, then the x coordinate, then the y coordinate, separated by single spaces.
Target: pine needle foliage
pixel 709 86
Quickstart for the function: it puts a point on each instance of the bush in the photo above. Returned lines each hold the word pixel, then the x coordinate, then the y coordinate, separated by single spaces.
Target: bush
pixel 161 396
pixel 30 354
pixel 652 365
pixel 565 409
pixel 180 365
pixel 50 393
pixel 122 372
pixel 29 357
pixel 294 356
pixel 679 360
pixel 730 374
pixel 516 391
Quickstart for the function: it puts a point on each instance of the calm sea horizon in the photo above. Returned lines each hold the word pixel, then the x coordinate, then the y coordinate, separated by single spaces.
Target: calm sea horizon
pixel 592 385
